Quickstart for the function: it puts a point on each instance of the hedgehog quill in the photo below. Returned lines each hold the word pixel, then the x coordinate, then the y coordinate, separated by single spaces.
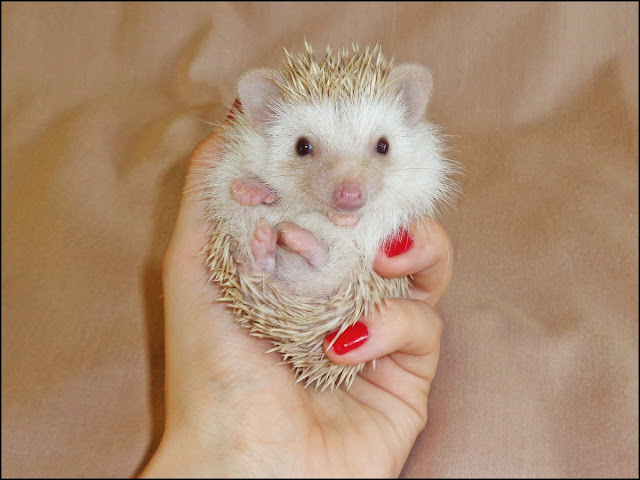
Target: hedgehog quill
pixel 323 162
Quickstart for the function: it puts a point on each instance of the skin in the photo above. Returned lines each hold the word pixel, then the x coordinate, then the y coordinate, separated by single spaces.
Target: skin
pixel 231 410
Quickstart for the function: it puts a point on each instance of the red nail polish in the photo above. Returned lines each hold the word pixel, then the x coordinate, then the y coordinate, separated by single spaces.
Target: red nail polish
pixel 399 243
pixel 236 108
pixel 351 338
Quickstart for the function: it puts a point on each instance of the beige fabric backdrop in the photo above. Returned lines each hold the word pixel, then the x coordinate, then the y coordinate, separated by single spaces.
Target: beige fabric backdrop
pixel 101 105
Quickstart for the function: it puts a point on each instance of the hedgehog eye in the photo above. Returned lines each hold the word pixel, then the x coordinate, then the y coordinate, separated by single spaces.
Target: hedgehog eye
pixel 304 147
pixel 382 146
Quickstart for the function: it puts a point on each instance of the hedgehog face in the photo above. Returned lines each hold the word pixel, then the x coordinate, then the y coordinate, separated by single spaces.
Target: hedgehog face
pixel 336 155
pixel 343 135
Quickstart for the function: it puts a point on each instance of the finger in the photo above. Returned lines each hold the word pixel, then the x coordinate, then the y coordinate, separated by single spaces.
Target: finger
pixel 429 260
pixel 403 327
pixel 200 161
pixel 189 235
pixel 404 338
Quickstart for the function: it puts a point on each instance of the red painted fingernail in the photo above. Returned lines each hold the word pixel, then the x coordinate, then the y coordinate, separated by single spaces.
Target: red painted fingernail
pixel 237 107
pixel 399 243
pixel 351 338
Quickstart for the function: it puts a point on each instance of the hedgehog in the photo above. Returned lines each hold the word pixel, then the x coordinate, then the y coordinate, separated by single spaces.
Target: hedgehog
pixel 323 161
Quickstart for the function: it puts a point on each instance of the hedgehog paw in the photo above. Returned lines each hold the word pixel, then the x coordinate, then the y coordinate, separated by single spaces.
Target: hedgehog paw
pixel 252 192
pixel 304 243
pixel 263 246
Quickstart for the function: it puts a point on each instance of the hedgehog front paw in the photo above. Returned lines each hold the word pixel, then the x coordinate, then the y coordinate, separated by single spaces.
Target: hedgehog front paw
pixel 252 192
pixel 263 246
pixel 303 242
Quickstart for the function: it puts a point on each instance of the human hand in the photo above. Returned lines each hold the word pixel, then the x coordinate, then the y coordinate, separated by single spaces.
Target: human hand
pixel 233 410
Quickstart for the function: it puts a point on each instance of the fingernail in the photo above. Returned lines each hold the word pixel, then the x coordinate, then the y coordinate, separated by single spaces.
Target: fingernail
pixel 351 338
pixel 237 107
pixel 399 243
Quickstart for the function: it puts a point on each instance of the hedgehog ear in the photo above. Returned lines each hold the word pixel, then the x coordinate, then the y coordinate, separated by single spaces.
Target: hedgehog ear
pixel 257 92
pixel 415 84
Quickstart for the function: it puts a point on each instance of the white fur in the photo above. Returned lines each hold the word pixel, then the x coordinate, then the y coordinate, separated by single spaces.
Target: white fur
pixel 405 184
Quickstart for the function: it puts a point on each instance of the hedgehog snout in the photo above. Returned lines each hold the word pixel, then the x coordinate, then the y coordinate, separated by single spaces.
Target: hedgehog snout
pixel 349 195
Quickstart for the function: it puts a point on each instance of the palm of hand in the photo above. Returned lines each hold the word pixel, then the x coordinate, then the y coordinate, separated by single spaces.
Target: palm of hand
pixel 225 387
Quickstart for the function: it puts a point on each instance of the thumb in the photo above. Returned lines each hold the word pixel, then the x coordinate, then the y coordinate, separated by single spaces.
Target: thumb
pixel 203 156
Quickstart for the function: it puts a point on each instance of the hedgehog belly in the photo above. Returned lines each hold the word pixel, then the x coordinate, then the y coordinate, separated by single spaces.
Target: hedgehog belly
pixel 297 325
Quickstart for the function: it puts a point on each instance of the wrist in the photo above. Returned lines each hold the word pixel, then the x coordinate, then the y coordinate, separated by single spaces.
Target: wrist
pixel 189 454
pixel 196 453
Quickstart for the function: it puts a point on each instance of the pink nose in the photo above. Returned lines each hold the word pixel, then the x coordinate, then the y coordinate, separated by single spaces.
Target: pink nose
pixel 349 195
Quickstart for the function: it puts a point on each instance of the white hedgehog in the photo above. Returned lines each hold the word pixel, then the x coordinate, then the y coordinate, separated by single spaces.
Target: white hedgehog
pixel 328 160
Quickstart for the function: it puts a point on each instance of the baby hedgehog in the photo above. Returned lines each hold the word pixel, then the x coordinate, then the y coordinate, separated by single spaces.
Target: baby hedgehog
pixel 322 162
